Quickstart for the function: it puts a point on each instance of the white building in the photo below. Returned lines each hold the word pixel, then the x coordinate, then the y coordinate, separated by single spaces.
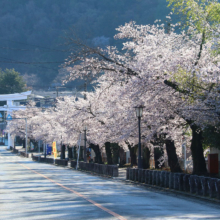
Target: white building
pixel 12 106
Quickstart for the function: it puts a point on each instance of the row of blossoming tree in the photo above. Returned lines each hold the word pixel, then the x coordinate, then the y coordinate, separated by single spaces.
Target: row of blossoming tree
pixel 173 72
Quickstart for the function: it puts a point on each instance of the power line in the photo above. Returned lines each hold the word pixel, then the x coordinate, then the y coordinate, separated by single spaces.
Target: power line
pixel 46 49
pixel 19 62
pixel 22 62
pixel 33 45
pixel 22 49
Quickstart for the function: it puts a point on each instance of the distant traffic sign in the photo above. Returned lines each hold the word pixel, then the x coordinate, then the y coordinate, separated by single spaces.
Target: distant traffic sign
pixel 9 117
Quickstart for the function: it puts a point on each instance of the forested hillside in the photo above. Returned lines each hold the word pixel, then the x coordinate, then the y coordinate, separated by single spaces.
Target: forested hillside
pixel 33 31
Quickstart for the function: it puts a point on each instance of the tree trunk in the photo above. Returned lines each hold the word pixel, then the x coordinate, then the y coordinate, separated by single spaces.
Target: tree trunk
pixel 199 165
pixel 24 143
pixel 62 152
pixel 35 143
pixel 115 149
pixel 74 153
pixel 98 156
pixel 108 152
pixel 133 155
pixel 146 158
pixel 122 156
pixel 157 154
pixel 81 155
pixel 70 153
pixel 172 157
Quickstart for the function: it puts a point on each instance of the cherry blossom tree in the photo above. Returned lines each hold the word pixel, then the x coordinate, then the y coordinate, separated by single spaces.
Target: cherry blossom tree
pixel 156 68
pixel 149 66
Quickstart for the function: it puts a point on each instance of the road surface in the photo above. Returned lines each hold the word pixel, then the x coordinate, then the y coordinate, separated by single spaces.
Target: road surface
pixel 31 190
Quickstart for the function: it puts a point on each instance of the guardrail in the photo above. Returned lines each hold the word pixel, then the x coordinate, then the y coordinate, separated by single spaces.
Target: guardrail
pixel 198 185
pixel 15 151
pixel 73 163
pixel 23 154
pixel 61 162
pixel 42 159
pixel 35 158
pixel 108 170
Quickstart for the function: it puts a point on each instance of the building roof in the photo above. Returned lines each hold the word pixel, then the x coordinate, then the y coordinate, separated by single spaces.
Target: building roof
pixel 15 96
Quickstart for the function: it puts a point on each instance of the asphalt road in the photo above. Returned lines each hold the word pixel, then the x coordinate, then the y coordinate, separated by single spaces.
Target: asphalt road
pixel 30 190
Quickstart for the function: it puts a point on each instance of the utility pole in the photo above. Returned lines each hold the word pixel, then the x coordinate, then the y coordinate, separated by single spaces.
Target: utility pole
pixel 85 90
pixel 77 163
pixel 26 135
pixel 85 151
pixel 45 149
pixel 57 90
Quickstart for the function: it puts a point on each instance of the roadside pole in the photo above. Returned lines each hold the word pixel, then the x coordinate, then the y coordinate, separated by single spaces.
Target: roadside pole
pixel 77 163
pixel 26 135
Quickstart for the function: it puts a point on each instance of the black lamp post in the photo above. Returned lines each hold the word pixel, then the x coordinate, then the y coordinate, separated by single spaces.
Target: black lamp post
pixel 139 113
pixel 85 153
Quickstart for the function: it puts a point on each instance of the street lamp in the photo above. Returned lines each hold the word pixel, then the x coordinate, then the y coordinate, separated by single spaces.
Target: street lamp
pixel 139 113
pixel 85 153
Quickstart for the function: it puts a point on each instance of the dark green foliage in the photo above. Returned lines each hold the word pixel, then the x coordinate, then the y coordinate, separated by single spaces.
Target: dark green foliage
pixel 211 137
pixel 34 31
pixel 11 82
